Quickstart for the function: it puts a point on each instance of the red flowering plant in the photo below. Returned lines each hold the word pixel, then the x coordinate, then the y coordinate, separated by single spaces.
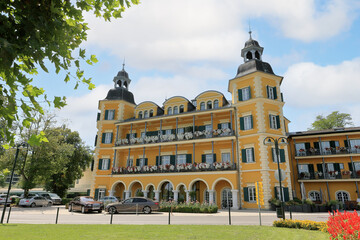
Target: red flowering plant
pixel 344 225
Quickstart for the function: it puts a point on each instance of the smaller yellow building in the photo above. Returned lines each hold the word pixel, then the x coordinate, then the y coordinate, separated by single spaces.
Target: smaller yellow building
pixel 326 164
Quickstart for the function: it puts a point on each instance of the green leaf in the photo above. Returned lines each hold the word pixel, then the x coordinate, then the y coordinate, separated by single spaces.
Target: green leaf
pixel 93 59
pixel 59 103
pixel 91 86
pixel 82 53
pixel 77 63
pixel 67 78
pixel 6 146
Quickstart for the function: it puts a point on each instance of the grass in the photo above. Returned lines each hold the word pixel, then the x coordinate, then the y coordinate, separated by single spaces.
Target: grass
pixel 158 232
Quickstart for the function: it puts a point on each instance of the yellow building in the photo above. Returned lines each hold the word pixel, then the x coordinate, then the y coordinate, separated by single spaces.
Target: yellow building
pixel 326 164
pixel 207 149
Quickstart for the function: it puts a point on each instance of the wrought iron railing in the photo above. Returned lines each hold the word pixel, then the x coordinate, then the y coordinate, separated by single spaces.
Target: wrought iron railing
pixel 327 151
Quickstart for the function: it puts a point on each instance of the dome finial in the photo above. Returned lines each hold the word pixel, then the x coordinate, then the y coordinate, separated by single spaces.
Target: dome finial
pixel 123 64
pixel 250 30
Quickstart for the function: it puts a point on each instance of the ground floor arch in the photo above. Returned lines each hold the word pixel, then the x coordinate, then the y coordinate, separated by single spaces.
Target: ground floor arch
pixel 119 190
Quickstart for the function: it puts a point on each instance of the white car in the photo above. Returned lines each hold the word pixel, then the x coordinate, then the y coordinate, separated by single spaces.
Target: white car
pixel 3 199
pixel 35 201
pixel 108 199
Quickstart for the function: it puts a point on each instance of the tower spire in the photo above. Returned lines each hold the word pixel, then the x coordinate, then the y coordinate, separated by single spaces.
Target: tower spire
pixel 123 65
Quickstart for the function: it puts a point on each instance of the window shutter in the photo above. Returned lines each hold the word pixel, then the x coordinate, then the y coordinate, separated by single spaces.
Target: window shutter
pixel 277 122
pixel 100 164
pixel 96 193
pixel 240 94
pixel 253 154
pixel 157 160
pixel 88 192
pixel 332 144
pixel 249 92
pixel 137 162
pixel 311 169
pixel 203 158
pixel 270 120
pixel 286 194
pixel 92 165
pixel 316 145
pixel 146 161
pixel 106 114
pixel 273 156
pixel 337 167
pixel 346 144
pixel 282 97
pixel 103 138
pixel 320 169
pixel 251 121
pixel 201 128
pixel 214 157
pixel 241 123
pixel 276 193
pixel 96 137
pixel 243 155
pixel 246 194
pixel 128 136
pixel 109 161
pixel 172 159
pixel 173 131
pixel 111 138
pixel 267 92
pixel 307 145
pixel 188 158
pixel 275 93
pixel 350 167
pixel 219 126
pixel 98 116
pixel 282 155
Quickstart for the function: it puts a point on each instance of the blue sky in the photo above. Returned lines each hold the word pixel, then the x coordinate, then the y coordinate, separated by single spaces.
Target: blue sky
pixel 186 47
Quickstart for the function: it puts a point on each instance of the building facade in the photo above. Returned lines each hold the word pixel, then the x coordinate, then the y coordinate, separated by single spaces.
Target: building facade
pixel 207 149
pixel 326 164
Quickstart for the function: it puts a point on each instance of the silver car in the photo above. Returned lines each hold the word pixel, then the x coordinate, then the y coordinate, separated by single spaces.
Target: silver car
pixel 136 204
pixel 3 199
pixel 35 201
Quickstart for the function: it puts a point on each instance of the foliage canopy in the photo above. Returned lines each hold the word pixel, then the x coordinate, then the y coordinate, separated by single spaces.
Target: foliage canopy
pixel 333 120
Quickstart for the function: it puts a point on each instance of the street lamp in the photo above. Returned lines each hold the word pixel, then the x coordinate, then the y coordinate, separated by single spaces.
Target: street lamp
pixel 23 144
pixel 269 141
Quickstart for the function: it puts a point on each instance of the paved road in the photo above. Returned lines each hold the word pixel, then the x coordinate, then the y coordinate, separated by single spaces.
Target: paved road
pixel 47 215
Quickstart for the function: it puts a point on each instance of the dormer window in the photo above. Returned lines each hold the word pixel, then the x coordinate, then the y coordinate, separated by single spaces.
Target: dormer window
pixel 209 105
pixel 146 114
pixel 176 110
pixel 140 114
pixel 202 106
pixel 216 104
pixel 151 114
pixel 181 108
pixel 169 111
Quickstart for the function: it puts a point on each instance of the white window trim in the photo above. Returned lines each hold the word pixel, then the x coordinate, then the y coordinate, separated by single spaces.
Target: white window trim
pixel 273 123
pixel 245 93
pixel 271 92
pixel 105 165
pixel 226 160
pixel 107 137
pixel 252 194
pixel 249 155
pixel 247 122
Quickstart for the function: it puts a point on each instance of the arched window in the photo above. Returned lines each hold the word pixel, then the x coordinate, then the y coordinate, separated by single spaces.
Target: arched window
pixel 209 105
pixel 176 110
pixel 151 113
pixel 342 196
pixel 202 106
pixel 146 114
pixel 207 198
pixel 249 55
pixel 216 104
pixel 140 114
pixel 169 111
pixel 315 196
pixel 226 198
pixel 181 108
pixel 257 55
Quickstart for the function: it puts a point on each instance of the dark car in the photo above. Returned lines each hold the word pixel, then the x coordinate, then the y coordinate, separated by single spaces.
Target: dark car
pixel 85 204
pixel 136 204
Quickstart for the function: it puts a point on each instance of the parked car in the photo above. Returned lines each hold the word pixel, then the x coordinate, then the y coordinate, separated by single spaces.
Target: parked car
pixel 30 195
pixel 108 199
pixel 3 199
pixel 135 204
pixel 52 196
pixel 35 201
pixel 85 204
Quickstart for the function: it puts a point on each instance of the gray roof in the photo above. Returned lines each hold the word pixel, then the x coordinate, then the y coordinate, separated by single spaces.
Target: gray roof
pixel 253 66
pixel 123 73
pixel 120 94
pixel 321 132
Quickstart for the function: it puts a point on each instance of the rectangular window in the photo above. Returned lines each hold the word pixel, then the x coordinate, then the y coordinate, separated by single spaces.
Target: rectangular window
pixel 180 131
pixel 107 137
pixel 246 122
pixel 249 155
pixel 252 194
pixel 104 164
pixel 224 125
pixel 208 127
pixel 225 157
pixel 300 149
pixel 129 162
pixel 109 114
pixel 329 147
pixel 274 121
pixel 101 193
pixel 181 159
pixel 168 132
pixel 244 94
pixel 165 160
pixel 142 162
pixel 209 158
pixel 271 92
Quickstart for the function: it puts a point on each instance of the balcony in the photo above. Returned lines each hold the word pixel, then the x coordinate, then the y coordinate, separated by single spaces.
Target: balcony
pixel 176 137
pixel 186 167
pixel 327 151
pixel 332 175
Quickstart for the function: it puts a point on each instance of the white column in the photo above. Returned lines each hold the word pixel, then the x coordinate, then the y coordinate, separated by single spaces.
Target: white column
pixel 157 195
pixel 211 196
pixel 145 192
pixel 235 199
pixel 176 195
pixel 187 196
pixel 111 193
pixel 127 194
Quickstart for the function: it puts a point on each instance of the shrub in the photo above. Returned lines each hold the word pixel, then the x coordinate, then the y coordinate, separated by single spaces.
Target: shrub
pixel 344 225
pixel 65 200
pixel 301 224
pixel 309 201
pixel 275 202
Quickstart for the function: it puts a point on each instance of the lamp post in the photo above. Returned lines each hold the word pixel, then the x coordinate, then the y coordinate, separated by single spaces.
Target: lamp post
pixel 270 141
pixel 11 178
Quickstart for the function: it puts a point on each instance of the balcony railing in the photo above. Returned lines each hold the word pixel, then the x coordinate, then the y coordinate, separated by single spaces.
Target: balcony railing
pixel 176 137
pixel 329 175
pixel 168 168
pixel 327 151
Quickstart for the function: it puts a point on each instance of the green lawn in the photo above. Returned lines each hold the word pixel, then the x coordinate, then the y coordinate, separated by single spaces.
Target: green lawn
pixel 108 232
